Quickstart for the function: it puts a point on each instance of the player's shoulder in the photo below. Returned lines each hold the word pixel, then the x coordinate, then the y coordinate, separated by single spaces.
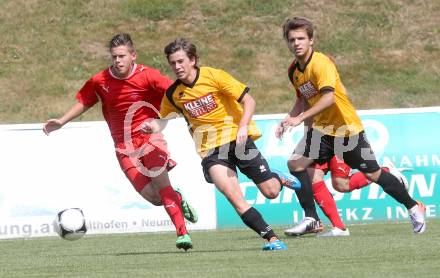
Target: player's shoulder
pixel 291 69
pixel 209 71
pixel 172 88
pixel 320 57
pixel 215 74
pixel 101 76
pixel 321 62
pixel 143 69
pixel 213 71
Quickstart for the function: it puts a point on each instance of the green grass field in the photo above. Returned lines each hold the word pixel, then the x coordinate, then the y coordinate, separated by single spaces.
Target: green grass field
pixel 373 250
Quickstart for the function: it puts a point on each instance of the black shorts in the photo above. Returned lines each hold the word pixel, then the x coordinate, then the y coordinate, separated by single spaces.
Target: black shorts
pixel 246 157
pixel 354 150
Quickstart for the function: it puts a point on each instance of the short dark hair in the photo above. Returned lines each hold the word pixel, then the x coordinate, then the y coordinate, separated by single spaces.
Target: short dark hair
pixel 121 39
pixel 181 44
pixel 294 23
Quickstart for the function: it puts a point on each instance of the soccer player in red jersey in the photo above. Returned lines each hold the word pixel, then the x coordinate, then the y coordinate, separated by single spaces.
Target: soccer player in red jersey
pixel 130 94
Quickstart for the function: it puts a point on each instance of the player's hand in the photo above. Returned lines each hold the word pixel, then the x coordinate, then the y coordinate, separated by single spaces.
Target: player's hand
pixel 52 125
pixel 147 127
pixel 291 122
pixel 279 132
pixel 283 127
pixel 242 135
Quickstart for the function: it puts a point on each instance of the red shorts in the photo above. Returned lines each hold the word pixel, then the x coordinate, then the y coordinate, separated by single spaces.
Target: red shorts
pixel 148 151
pixel 337 168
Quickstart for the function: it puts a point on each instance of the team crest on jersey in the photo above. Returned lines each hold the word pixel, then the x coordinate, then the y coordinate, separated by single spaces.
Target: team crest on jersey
pixel 307 90
pixel 201 106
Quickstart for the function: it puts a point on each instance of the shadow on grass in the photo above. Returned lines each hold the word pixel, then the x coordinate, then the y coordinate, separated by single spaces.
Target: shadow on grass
pixel 183 252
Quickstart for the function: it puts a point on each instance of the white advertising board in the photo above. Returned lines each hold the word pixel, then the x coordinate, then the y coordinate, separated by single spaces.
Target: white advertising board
pixel 77 167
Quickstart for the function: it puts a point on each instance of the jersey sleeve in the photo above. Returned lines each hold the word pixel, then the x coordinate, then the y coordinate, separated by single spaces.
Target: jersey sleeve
pixel 291 71
pixel 166 107
pixel 160 83
pixel 230 86
pixel 87 94
pixel 325 75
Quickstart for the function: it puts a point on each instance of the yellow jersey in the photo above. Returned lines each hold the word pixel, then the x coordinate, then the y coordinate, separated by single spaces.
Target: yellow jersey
pixel 210 106
pixel 318 76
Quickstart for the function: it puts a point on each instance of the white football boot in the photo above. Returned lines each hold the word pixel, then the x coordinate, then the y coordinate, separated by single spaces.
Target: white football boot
pixel 307 226
pixel 335 232
pixel 417 215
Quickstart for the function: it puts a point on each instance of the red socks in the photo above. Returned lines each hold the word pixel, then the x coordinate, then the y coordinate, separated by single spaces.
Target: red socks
pixel 325 200
pixel 171 201
pixel 358 180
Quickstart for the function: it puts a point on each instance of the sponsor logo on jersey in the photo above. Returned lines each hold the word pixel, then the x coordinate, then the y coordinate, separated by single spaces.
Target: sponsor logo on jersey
pixel 106 88
pixel 342 170
pixel 200 106
pixel 308 90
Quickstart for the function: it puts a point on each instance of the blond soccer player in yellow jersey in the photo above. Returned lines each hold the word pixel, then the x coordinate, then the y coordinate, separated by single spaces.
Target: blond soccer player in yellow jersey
pixel 336 129
pixel 218 110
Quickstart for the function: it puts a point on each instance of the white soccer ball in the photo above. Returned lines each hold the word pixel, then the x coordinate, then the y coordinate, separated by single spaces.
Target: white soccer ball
pixel 70 224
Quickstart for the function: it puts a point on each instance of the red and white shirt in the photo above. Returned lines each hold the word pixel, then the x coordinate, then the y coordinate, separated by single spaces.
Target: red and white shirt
pixel 128 102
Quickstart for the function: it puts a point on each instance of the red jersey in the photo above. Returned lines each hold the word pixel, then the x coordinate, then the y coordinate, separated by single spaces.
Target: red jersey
pixel 118 96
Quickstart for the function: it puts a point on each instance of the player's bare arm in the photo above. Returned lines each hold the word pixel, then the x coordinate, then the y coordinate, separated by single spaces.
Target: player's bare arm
pixel 327 100
pixel 248 104
pixel 309 121
pixel 55 124
pixel 297 109
pixel 156 125
pixel 153 126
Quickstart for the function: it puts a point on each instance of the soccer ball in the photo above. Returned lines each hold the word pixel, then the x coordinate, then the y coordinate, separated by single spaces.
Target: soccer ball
pixel 70 224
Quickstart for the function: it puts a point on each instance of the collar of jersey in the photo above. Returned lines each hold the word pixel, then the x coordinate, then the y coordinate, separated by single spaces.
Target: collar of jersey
pixel 305 66
pixel 195 79
pixel 131 73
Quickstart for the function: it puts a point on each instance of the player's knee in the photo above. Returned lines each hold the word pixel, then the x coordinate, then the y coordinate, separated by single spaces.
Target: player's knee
pixel 156 201
pixel 317 176
pixel 294 166
pixel 373 176
pixel 341 185
pixel 270 189
pixel 150 195
pixel 340 188
pixel 271 193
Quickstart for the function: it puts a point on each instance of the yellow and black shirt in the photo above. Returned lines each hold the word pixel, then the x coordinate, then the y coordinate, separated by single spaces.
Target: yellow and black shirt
pixel 211 107
pixel 318 76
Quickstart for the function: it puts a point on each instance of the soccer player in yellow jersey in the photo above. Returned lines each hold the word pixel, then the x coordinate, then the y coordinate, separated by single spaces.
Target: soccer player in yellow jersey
pixel 218 110
pixel 336 129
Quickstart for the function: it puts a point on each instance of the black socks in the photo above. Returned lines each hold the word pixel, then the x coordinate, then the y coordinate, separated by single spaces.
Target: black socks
pixel 253 219
pixel 393 187
pixel 305 194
